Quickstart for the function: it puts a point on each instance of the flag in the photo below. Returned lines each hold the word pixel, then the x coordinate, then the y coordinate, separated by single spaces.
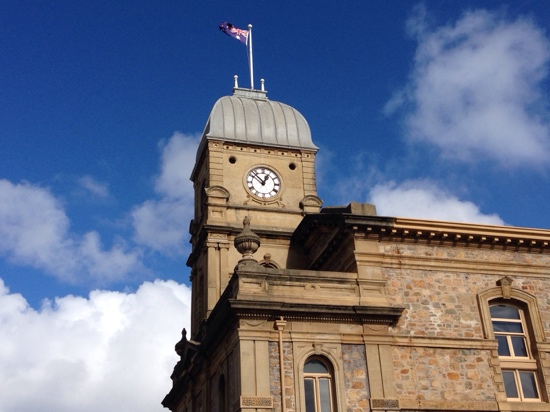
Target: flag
pixel 230 30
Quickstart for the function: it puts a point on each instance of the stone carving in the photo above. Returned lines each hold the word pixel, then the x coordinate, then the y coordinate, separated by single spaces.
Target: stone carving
pixel 318 348
pixel 257 402
pixel 385 404
pixel 268 263
pixel 264 202
pixel 252 323
pixel 506 284
pixel 375 327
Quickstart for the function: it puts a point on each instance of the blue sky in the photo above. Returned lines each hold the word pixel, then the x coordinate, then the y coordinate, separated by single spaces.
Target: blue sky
pixel 436 110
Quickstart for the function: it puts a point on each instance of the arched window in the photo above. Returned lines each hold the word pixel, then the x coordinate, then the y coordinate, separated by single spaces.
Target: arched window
pixel 318 385
pixel 519 367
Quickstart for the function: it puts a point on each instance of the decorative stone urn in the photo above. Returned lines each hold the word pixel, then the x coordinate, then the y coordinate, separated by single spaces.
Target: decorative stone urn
pixel 247 242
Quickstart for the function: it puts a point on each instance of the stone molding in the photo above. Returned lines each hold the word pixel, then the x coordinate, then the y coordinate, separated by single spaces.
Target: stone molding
pixel 443 343
pixel 290 153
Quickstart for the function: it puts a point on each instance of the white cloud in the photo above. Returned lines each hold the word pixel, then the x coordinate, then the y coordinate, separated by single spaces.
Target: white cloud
pixel 476 89
pixel 34 230
pixel 161 224
pixel 110 352
pixel 94 187
pixel 177 161
pixel 425 199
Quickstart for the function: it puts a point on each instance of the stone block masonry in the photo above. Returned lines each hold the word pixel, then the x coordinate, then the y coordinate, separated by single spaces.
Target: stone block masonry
pixel 355 376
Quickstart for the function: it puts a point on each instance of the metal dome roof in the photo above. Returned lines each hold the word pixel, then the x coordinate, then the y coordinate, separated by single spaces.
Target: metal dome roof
pixel 249 117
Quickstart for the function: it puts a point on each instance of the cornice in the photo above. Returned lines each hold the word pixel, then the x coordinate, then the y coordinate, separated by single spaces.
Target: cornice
pixel 459 265
pixel 475 228
pixel 249 309
pixel 334 227
pixel 460 234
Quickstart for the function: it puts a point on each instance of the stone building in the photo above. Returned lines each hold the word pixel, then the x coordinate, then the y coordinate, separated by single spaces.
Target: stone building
pixel 309 309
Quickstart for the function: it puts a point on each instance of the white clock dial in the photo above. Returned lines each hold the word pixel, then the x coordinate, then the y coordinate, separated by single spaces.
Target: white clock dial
pixel 263 182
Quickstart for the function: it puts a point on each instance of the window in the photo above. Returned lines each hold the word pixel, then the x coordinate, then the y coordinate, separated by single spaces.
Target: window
pixel 318 386
pixel 221 395
pixel 519 368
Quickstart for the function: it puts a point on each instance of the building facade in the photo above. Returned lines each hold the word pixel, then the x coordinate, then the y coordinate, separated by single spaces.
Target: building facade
pixel 298 308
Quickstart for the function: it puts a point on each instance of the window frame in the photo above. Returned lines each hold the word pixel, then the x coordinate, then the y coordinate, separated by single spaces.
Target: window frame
pixel 332 354
pixel 505 293
pixel 512 363
pixel 317 377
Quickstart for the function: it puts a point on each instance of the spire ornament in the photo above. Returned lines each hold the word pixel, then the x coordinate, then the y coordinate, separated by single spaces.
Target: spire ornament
pixel 247 242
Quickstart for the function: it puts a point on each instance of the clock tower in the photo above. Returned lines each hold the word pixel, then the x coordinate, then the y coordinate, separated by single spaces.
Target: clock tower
pixel 256 159
pixel 277 306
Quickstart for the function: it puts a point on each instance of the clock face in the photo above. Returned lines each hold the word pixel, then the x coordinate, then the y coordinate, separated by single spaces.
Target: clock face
pixel 263 182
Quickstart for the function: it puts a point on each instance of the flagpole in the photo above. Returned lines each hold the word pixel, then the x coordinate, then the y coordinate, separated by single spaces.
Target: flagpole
pixel 250 61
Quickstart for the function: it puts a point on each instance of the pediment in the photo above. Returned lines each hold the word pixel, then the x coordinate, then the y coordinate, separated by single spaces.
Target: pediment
pixel 217 192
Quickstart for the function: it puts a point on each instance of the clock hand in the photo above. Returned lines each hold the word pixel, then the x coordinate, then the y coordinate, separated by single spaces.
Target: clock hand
pixel 266 177
pixel 259 178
